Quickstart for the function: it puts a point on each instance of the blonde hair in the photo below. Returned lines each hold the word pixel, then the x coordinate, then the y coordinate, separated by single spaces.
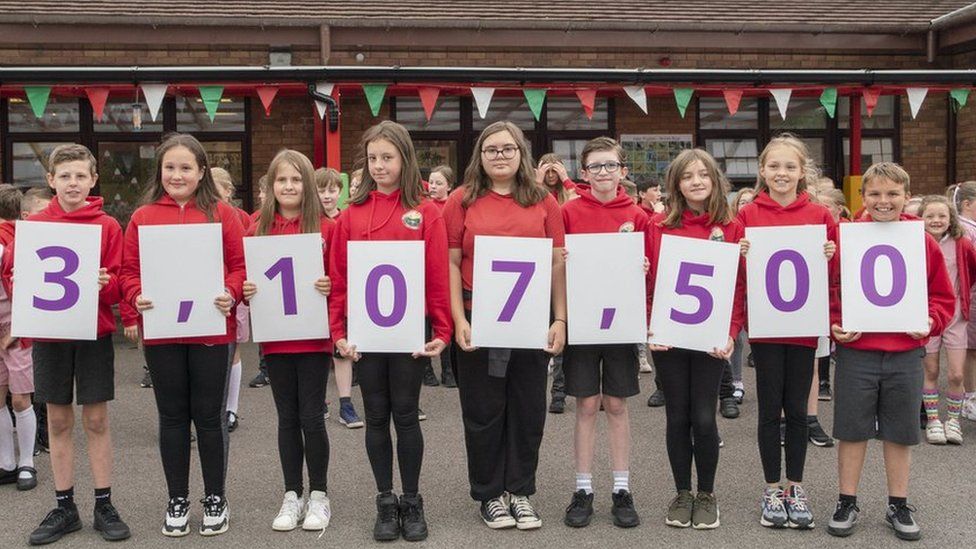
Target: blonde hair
pixel 222 177
pixel 525 192
pixel 34 195
pixel 887 170
pixel 717 207
pixel 311 210
pixel 411 190
pixel 795 144
pixel 737 199
pixel 955 227
pixel 552 158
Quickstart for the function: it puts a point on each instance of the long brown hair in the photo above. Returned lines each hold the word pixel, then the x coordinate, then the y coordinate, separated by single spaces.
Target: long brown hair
pixel 808 169
pixel 310 218
pixel 206 195
pixel 719 211
pixel 955 229
pixel 525 192
pixel 411 189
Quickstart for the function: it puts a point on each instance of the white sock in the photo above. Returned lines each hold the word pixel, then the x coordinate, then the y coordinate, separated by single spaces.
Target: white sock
pixel 234 387
pixel 26 436
pixel 584 482
pixel 621 481
pixel 8 459
pixel 970 396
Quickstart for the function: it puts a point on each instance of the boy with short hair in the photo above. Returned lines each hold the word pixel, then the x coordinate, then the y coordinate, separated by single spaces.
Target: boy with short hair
pixel 60 366
pixel 650 197
pixel 328 183
pixel 878 379
pixel 35 200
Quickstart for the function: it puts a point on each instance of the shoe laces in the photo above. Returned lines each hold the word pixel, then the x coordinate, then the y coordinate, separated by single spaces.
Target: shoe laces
pixel 797 498
pixel 496 508
pixel 774 499
pixel 318 507
pixel 388 512
pixel 178 507
pixel 108 513
pixel 705 500
pixel 623 499
pixel 522 506
pixel 410 511
pixel 684 500
pixel 578 501
pixel 903 512
pixel 213 505
pixel 290 506
pixel 844 508
pixel 56 516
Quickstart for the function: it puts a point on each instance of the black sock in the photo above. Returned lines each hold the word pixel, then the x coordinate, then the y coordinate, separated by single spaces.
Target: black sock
pixel 844 498
pixel 811 419
pixel 897 501
pixel 103 496
pixel 66 498
pixel 345 400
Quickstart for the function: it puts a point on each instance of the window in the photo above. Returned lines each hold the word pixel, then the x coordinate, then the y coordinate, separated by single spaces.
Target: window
pixel 61 115
pixel 192 117
pixel 446 117
pixel 883 116
pixel 732 139
pixel 873 150
pixel 120 116
pixel 30 163
pixel 739 158
pixel 713 114
pixel 123 170
pixel 566 113
pixel 571 151
pixel 433 153
pixel 513 109
pixel 803 113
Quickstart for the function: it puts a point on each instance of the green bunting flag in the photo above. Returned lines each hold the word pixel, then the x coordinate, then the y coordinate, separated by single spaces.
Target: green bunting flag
pixel 536 97
pixel 211 99
pixel 374 96
pixel 829 101
pixel 959 97
pixel 682 96
pixel 38 96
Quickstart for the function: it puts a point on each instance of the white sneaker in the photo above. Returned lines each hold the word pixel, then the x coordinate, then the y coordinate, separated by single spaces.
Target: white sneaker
pixel 216 516
pixel 177 523
pixel 935 432
pixel 969 409
pixel 953 431
pixel 645 365
pixel 318 511
pixel 292 510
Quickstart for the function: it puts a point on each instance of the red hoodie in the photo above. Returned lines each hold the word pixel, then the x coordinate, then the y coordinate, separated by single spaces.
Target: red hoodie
pixel 383 217
pixel 966 272
pixel 282 226
pixel 166 211
pixel 763 211
pixel 6 233
pixel 700 226
pixel 942 302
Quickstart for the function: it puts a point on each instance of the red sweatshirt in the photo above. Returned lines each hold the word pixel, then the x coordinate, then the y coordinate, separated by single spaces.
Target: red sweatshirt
pixel 966 273
pixel 166 211
pixel 699 226
pixel 245 217
pixel 439 203
pixel 763 211
pixel 942 302
pixel 496 214
pixel 7 233
pixel 383 217
pixel 282 226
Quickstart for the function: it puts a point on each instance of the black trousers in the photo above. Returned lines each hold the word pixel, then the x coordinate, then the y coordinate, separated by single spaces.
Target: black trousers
pixel 298 386
pixel 691 382
pixel 390 383
pixel 190 384
pixel 783 376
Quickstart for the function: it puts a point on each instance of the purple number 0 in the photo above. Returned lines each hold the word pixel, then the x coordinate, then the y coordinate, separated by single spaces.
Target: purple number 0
pixel 899 275
pixel 525 270
pixel 286 268
pixel 399 296
pixel 802 281
pixel 71 291
pixel 685 287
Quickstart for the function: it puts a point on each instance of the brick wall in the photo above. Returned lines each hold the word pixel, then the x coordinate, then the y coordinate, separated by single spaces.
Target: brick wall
pixel 924 143
pixel 966 128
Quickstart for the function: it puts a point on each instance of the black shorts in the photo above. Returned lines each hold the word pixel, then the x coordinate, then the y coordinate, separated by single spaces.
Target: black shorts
pixel 601 369
pixel 63 368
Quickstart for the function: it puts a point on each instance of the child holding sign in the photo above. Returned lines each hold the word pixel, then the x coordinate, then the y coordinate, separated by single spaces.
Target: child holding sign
pixel 503 391
pixel 879 377
pixel 696 208
pixel 189 374
pixel 389 205
pixel 298 370
pixel 784 366
pixel 607 373
pixel 90 365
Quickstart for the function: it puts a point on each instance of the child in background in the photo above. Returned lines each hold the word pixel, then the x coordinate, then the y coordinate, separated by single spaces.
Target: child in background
pixel 354 179
pixel 742 197
pixel 631 190
pixel 963 198
pixel 328 183
pixel 261 379
pixel 440 183
pixel 913 204
pixel 650 197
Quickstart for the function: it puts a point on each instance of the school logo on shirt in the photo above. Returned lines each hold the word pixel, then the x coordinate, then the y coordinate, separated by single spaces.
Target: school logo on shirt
pixel 627 227
pixel 412 219
pixel 717 235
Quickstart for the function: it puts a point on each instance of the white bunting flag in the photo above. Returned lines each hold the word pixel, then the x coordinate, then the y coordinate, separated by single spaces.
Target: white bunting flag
pixel 325 88
pixel 154 97
pixel 915 98
pixel 638 95
pixel 782 96
pixel 482 97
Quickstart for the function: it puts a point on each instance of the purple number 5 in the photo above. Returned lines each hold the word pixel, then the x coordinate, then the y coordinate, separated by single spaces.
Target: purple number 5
pixel 71 290
pixel 685 287
pixel 525 270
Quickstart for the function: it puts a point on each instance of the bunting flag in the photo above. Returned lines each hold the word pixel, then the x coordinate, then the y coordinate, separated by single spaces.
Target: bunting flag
pixel 588 100
pixel 682 97
pixel 535 97
pixel 871 96
pixel 732 100
pixel 374 96
pixel 782 97
pixel 267 95
pixel 38 96
pixel 428 98
pixel 211 99
pixel 325 88
pixel 829 101
pixel 637 95
pixel 97 97
pixel 482 98
pixel 915 98
pixel 959 97
pixel 154 94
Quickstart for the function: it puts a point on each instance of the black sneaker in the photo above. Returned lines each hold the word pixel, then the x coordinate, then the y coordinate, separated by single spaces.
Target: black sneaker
pixel 110 524
pixel 818 437
pixel 8 477
pixel 557 406
pixel 623 511
pixel 57 523
pixel 232 422
pixel 447 378
pixel 412 521
pixel 825 393
pixel 387 526
pixel 844 519
pixel 728 408
pixel 580 510
pixel 260 380
pixel 656 400
pixel 146 382
pixel 430 379
pixel 495 514
pixel 750 362
pixel 902 521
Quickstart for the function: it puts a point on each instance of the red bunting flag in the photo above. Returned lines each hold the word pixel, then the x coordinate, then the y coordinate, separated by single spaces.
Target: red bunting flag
pixel 428 98
pixel 267 95
pixel 97 97
pixel 732 100
pixel 588 100
pixel 871 96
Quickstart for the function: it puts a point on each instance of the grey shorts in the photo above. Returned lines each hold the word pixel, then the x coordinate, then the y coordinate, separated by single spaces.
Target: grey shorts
pixel 878 395
pixel 74 370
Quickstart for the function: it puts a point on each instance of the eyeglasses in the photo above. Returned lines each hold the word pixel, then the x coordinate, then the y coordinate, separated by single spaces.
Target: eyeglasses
pixel 507 152
pixel 595 168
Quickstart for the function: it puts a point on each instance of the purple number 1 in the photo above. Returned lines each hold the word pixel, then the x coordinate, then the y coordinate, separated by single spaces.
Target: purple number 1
pixel 286 268
pixel 525 270
pixel 685 287
pixel 899 275
pixel 399 296
pixel 71 290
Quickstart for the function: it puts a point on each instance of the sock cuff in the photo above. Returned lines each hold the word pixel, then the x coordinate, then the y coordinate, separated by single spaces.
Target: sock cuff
pixel 29 411
pixel 930 392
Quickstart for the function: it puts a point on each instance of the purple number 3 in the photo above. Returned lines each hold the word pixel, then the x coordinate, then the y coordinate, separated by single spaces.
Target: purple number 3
pixel 685 287
pixel 71 290
pixel 525 270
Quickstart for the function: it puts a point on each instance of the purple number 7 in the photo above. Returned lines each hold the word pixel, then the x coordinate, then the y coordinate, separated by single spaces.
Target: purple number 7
pixel 685 287
pixel 71 290
pixel 525 270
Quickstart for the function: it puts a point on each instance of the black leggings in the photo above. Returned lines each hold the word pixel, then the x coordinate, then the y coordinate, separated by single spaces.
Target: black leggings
pixel 691 380
pixel 783 376
pixel 390 383
pixel 190 384
pixel 298 385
